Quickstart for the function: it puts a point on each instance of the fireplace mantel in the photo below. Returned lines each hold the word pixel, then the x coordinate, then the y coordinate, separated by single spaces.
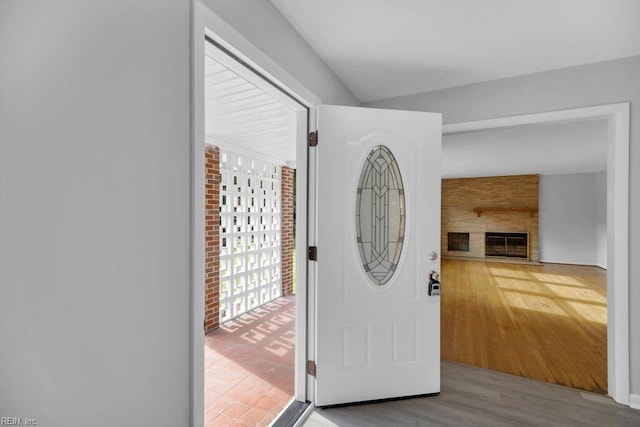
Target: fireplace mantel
pixel 531 209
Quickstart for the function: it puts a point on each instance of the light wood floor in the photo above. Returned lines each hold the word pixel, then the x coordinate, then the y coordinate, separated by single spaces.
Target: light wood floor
pixel 479 397
pixel 543 322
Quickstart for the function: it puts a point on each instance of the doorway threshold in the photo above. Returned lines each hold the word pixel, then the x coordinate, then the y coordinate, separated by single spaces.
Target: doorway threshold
pixel 294 414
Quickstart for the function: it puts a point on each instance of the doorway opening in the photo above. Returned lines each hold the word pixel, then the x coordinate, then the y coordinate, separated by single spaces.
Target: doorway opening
pixel 582 220
pixel 251 136
pixel 538 297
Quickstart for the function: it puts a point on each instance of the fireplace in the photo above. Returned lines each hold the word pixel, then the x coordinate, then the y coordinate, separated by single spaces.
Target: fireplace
pixel 458 242
pixel 513 245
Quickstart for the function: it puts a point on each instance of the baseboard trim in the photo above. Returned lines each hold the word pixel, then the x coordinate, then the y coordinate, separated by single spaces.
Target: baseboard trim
pixel 634 401
pixel 572 263
pixel 493 259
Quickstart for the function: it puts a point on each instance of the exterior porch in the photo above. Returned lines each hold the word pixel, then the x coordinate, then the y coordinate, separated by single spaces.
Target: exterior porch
pixel 249 366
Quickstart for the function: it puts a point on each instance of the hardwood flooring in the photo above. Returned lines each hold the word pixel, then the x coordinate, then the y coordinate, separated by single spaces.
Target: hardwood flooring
pixel 479 397
pixel 544 322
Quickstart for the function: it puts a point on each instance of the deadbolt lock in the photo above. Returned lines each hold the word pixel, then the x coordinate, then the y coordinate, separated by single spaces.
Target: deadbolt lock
pixel 434 283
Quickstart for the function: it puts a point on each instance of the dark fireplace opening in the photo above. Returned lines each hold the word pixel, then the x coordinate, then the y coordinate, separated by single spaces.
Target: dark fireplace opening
pixel 513 245
pixel 458 242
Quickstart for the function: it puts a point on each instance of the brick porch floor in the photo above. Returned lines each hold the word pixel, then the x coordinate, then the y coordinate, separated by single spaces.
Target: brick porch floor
pixel 249 366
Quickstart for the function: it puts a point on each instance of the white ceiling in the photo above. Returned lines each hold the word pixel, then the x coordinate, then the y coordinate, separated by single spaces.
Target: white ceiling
pixel 383 48
pixel 546 149
pixel 245 119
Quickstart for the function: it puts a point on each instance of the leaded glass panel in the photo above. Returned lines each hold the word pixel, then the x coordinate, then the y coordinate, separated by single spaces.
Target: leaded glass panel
pixel 380 215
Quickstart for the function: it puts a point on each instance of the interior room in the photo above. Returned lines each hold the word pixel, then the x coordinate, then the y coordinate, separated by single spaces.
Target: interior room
pixel 108 213
pixel 524 251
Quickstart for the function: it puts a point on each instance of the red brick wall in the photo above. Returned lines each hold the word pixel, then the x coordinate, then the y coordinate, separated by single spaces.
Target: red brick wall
pixel 212 239
pixel 287 221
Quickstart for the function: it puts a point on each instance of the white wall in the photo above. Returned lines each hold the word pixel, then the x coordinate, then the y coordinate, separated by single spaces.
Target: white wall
pixel 95 212
pixel 547 149
pixel 264 26
pixel 601 219
pixel 95 181
pixel 587 85
pixel 568 222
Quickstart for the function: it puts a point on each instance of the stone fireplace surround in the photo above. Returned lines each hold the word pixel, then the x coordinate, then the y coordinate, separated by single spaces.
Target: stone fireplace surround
pixel 513 203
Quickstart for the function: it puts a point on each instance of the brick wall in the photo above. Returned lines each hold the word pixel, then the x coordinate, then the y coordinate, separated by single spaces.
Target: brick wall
pixel 461 196
pixel 212 239
pixel 287 221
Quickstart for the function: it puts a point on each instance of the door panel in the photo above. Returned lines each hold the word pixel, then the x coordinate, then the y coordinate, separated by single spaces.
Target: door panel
pixel 377 334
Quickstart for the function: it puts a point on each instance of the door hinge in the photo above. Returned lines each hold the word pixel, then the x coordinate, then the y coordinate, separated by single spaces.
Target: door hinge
pixel 312 253
pixel 311 368
pixel 313 139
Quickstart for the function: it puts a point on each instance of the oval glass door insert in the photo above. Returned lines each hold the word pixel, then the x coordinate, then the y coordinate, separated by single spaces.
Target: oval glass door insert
pixel 380 215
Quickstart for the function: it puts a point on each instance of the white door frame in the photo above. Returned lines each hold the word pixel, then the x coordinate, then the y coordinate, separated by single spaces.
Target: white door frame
pixel 617 116
pixel 287 88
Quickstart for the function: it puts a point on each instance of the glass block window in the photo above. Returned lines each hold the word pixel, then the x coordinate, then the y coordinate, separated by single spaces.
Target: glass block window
pixel 249 234
pixel 380 215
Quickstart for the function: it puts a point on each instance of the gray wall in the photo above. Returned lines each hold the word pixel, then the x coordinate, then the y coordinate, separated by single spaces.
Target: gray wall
pixel 594 84
pixel 95 212
pixel 263 25
pixel 570 218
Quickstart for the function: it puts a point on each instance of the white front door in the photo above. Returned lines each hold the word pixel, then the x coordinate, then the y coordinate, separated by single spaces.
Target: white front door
pixel 378 222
